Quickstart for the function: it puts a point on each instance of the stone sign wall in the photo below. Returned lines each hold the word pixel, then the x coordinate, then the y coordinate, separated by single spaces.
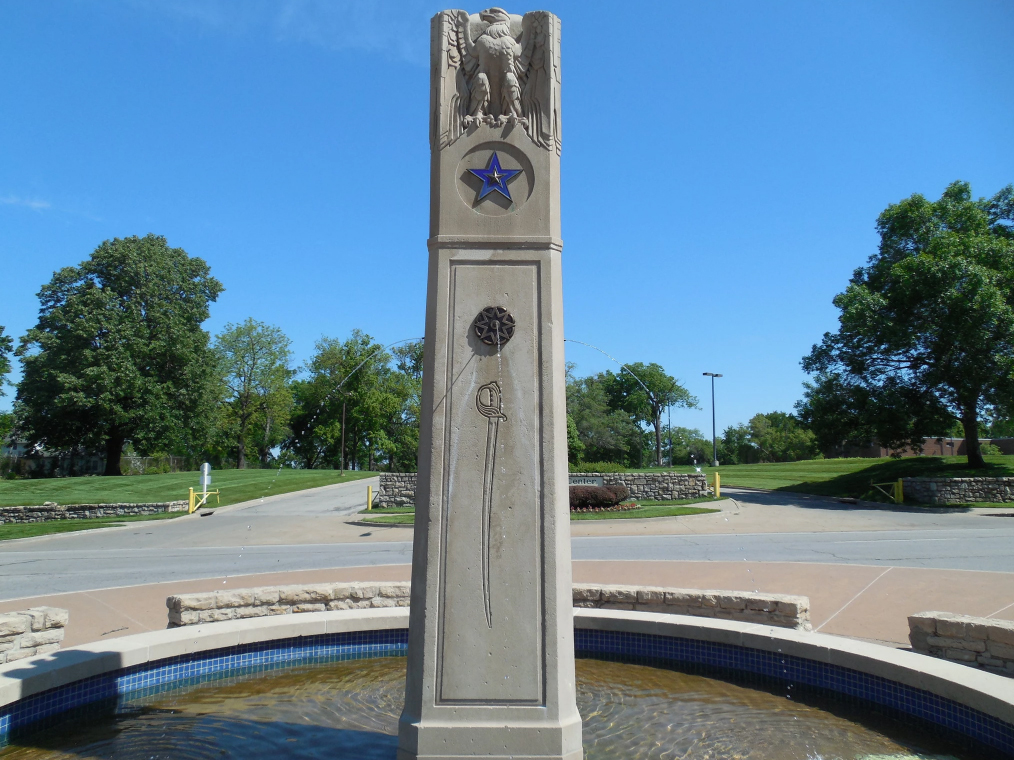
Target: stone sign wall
pixel 984 643
pixel 780 610
pixel 29 632
pixel 958 490
pixel 49 512
pixel 397 489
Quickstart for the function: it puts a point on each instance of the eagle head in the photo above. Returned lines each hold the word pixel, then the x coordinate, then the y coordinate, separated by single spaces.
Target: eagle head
pixel 495 15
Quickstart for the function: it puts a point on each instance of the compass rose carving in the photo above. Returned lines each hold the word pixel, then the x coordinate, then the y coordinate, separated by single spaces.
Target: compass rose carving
pixel 494 326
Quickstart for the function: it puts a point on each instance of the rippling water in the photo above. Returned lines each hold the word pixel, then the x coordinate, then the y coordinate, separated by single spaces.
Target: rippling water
pixel 349 711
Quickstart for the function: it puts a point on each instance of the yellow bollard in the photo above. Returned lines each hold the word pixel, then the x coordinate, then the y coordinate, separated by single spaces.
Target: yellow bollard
pixel 191 510
pixel 718 486
pixel 369 497
pixel 899 492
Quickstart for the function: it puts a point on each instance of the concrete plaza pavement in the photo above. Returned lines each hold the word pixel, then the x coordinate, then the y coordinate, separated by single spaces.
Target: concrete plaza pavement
pixel 864 570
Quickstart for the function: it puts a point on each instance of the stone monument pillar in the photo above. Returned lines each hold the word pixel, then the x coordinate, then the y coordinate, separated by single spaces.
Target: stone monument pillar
pixel 491 650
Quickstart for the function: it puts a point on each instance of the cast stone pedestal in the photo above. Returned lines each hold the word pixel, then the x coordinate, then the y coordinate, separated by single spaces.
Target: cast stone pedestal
pixel 491 651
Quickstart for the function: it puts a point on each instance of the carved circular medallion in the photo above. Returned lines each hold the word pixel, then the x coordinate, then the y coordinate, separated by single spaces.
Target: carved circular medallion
pixel 494 326
pixel 495 178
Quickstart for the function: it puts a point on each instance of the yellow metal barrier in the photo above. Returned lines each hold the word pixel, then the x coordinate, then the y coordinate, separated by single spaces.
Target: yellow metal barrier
pixel 369 497
pixel 198 500
pixel 718 486
pixel 897 492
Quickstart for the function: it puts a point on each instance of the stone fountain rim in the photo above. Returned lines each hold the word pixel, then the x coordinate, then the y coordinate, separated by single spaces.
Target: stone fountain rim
pixel 988 693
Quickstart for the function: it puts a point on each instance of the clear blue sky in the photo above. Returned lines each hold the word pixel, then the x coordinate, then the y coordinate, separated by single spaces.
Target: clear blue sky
pixel 723 163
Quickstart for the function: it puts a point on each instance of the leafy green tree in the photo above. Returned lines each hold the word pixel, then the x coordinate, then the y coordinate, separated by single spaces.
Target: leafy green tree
pixel 6 346
pixel 380 420
pixel 735 447
pixel 403 428
pixel 689 446
pixel 254 361
pixel 780 437
pixel 575 448
pixel 931 316
pixel 841 414
pixel 606 434
pixel 645 391
pixel 118 353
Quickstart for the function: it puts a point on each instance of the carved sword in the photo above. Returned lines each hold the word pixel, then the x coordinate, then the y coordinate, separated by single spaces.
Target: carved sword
pixel 488 402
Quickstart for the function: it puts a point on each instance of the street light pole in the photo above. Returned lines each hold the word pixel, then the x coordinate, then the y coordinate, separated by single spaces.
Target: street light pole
pixel 714 436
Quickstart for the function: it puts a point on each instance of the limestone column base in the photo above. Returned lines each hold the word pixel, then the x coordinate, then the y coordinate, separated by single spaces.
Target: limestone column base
pixel 494 741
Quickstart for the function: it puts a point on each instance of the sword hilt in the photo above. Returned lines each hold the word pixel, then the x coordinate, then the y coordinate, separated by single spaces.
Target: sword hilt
pixel 488 401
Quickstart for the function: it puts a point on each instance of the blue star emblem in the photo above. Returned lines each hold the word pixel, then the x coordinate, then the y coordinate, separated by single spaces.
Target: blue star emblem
pixel 495 177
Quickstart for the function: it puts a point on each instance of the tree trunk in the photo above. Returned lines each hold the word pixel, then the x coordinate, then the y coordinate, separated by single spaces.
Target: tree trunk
pixel 267 438
pixel 970 423
pixel 658 440
pixel 241 454
pixel 114 448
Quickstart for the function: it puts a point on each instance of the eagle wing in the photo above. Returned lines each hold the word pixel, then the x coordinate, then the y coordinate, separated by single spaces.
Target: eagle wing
pixel 539 70
pixel 454 69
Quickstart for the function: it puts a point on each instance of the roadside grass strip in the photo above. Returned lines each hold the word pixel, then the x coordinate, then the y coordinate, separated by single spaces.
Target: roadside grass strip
pixel 406 515
pixel 850 478
pixel 30 530
pixel 235 486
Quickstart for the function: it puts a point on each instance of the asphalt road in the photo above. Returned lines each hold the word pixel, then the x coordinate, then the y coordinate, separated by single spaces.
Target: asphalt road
pixel 254 538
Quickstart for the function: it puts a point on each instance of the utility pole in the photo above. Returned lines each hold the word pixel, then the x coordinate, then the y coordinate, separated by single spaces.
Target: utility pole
pixel 714 436
pixel 342 465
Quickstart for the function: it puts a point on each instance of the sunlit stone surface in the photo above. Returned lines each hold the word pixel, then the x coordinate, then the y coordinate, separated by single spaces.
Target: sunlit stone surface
pixel 491 654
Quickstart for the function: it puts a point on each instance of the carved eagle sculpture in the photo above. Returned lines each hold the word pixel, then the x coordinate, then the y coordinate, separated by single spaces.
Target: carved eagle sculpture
pixel 496 68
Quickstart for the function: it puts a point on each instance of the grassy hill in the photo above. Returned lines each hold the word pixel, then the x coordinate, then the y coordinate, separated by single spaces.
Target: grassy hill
pixel 850 477
pixel 235 485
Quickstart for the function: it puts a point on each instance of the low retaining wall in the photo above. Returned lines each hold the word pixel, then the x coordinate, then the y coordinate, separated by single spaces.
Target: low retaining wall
pixel 397 489
pixel 30 632
pixel 958 490
pixel 980 642
pixel 85 511
pixel 779 610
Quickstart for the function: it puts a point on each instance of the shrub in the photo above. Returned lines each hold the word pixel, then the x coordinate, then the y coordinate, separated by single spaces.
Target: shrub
pixel 582 497
pixel 597 467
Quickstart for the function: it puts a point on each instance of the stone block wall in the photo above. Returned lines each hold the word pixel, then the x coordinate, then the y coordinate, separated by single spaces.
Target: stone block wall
pixel 958 490
pixel 656 486
pixel 213 606
pixel 397 489
pixel 86 511
pixel 979 642
pixel 29 632
pixel 779 610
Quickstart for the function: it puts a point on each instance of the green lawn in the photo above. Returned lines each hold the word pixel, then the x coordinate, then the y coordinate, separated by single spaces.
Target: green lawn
pixel 849 477
pixel 27 530
pixel 406 515
pixel 235 485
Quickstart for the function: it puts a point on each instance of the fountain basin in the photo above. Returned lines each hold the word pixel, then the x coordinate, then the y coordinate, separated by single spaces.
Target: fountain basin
pixel 38 691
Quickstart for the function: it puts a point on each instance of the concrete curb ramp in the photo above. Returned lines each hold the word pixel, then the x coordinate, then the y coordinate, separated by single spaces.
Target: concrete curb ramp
pixel 988 694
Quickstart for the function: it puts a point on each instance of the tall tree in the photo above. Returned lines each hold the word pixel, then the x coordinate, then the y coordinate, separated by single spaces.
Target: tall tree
pixel 356 374
pixel 931 316
pixel 606 434
pixel 6 346
pixel 780 437
pixel 254 361
pixel 645 391
pixel 118 353
pixel 406 385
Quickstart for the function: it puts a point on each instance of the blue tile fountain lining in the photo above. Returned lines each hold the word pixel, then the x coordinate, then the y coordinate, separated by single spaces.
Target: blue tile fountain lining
pixel 35 712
